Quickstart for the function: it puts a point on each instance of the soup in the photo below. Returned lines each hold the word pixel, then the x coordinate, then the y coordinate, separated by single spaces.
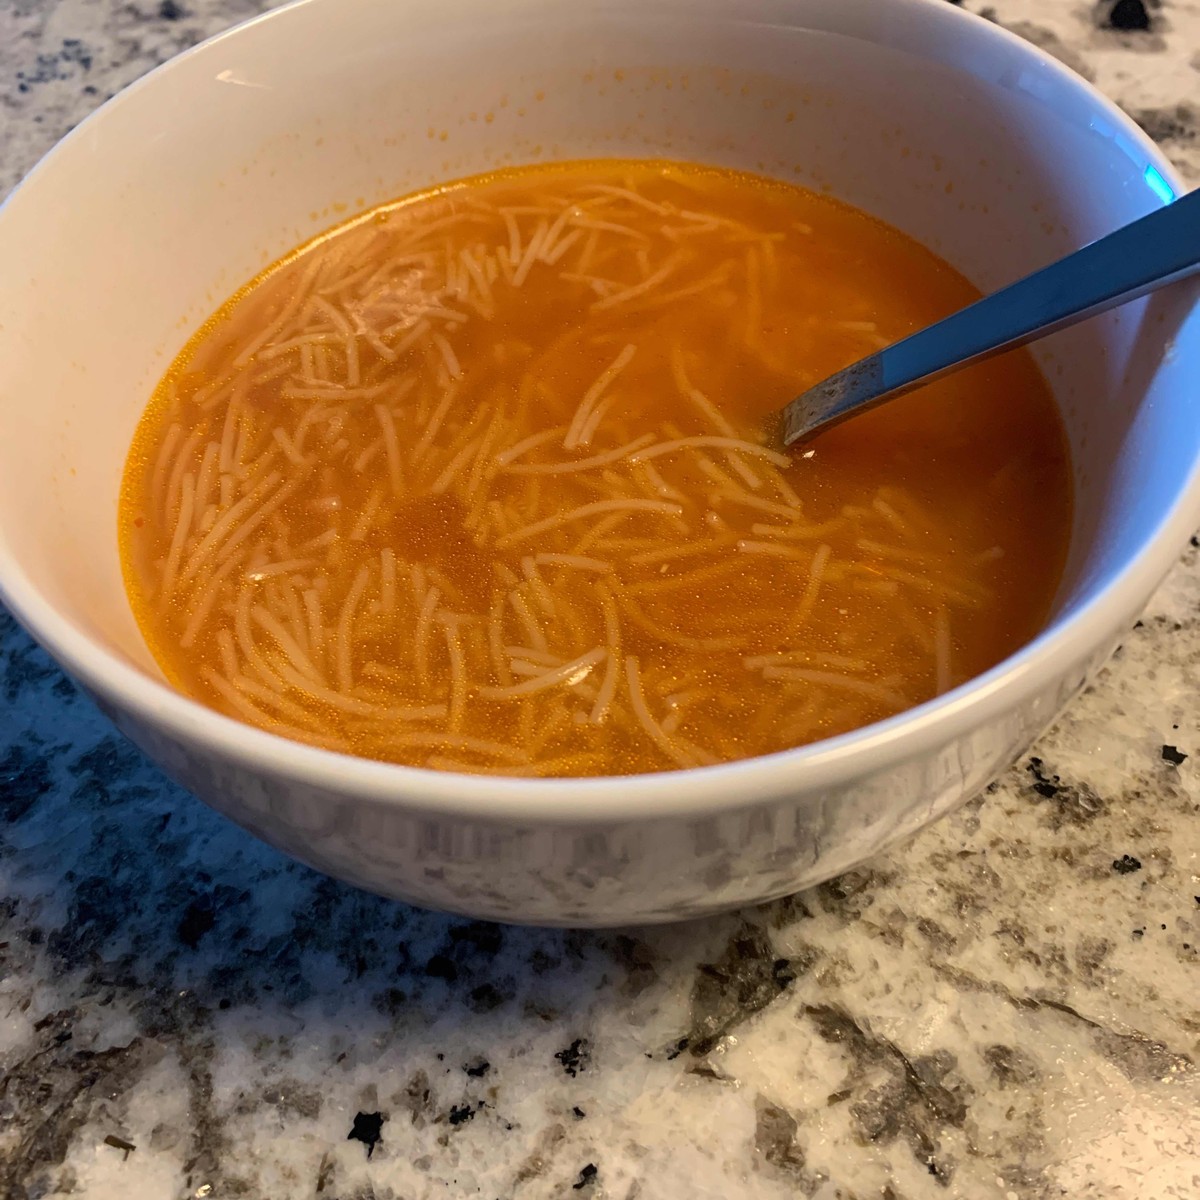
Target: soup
pixel 477 482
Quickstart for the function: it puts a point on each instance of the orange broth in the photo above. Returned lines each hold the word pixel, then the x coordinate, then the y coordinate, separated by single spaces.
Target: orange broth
pixel 477 482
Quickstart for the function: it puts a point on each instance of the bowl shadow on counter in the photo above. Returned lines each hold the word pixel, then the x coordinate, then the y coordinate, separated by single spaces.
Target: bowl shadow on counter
pixel 147 927
pixel 118 872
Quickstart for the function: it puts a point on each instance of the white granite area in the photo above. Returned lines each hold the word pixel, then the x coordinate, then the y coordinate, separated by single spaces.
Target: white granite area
pixel 1008 1008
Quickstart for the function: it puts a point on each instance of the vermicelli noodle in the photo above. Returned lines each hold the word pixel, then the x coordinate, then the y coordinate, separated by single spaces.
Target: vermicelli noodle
pixel 478 482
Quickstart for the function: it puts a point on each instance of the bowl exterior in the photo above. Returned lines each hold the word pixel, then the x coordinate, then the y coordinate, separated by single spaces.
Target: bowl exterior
pixel 595 872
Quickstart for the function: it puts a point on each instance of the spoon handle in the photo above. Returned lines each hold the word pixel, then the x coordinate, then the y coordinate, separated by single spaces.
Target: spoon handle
pixel 1136 259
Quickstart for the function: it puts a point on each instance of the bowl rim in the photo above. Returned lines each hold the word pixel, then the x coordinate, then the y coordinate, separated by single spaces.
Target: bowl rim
pixel 1066 645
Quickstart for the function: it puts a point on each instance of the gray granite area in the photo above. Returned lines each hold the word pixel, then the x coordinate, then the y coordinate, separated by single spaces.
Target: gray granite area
pixel 1007 1008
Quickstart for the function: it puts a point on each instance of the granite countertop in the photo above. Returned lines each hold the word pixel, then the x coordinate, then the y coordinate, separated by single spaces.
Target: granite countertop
pixel 1007 1008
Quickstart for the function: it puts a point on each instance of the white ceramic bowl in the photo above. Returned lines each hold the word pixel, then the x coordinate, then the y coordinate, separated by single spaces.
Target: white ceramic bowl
pixel 155 209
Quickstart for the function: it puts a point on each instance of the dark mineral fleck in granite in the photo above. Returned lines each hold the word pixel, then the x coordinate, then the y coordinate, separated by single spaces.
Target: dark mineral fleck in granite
pixel 576 1057
pixel 587 1177
pixel 1129 15
pixel 368 1129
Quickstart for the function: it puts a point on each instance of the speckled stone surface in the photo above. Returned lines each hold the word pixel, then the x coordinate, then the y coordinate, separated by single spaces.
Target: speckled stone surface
pixel 1006 1009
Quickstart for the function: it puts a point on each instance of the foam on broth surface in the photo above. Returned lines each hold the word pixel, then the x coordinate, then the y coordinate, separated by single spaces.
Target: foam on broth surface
pixel 476 482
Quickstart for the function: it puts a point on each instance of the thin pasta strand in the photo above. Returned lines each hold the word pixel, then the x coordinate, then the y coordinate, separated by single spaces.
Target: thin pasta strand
pixel 493 471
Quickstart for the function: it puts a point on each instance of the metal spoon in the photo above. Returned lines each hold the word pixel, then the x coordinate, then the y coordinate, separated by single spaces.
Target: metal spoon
pixel 1150 253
